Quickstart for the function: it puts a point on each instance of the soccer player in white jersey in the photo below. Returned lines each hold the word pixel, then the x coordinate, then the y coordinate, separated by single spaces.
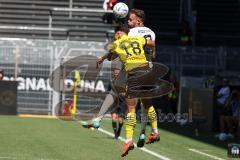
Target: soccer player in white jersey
pixel 136 23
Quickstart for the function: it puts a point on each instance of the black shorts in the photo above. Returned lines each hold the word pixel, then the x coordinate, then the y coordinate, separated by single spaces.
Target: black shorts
pixel 146 82
pixel 138 79
pixel 143 82
pixel 119 107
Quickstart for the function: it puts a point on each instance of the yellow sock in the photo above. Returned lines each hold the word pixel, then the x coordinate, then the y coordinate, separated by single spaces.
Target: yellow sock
pixel 130 125
pixel 152 116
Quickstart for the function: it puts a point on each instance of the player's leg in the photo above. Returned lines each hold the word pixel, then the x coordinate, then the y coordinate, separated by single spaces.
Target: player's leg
pixel 107 103
pixel 115 124
pixel 121 114
pixel 120 124
pixel 118 87
pixel 130 124
pixel 152 118
pixel 144 120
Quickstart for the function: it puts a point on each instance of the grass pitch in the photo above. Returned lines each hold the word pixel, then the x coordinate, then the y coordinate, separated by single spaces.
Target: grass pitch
pixel 53 139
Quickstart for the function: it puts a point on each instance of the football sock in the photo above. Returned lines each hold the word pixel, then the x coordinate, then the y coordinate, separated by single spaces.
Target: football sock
pixel 130 124
pixel 152 116
pixel 119 128
pixel 114 125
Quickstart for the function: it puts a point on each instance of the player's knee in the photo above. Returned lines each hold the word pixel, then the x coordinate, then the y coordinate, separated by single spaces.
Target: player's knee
pixel 120 120
pixel 114 117
pixel 131 105
pixel 131 102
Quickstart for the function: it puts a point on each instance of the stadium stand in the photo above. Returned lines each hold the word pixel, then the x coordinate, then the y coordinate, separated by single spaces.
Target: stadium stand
pixel 163 18
pixel 32 13
pixel 218 22
pixel 191 61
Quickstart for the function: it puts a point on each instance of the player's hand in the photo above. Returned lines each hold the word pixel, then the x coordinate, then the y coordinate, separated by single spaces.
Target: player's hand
pixel 99 61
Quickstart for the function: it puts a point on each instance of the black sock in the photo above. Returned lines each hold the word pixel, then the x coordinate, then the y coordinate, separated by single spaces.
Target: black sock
pixel 143 131
pixel 119 128
pixel 114 125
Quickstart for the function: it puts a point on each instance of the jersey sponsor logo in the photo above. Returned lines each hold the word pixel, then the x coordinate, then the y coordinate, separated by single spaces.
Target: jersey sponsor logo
pixel 144 31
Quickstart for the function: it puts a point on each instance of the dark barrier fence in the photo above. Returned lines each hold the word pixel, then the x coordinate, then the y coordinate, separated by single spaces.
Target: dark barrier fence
pixel 8 97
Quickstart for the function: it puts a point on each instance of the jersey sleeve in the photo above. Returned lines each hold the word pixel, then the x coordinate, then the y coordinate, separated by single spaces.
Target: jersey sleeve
pixel 142 40
pixel 113 47
pixel 150 35
pixel 132 32
pixel 153 36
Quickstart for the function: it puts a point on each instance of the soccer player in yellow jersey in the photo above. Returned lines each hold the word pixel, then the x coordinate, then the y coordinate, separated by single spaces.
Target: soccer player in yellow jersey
pixel 130 50
pixel 136 23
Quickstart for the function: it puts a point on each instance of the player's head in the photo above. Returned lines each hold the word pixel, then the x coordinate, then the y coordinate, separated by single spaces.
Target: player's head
pixel 1 74
pixel 136 18
pixel 120 31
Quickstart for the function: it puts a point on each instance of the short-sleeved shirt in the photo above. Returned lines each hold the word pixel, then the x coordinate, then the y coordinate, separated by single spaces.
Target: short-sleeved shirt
pixel 146 33
pixel 130 51
pixel 142 32
pixel 225 92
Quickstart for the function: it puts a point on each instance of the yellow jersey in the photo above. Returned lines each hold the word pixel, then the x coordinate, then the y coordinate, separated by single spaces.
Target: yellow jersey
pixel 130 51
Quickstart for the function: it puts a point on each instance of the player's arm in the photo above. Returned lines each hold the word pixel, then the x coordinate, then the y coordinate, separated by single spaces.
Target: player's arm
pixel 146 42
pixel 102 58
pixel 150 43
pixel 151 36
pixel 110 56
pixel 154 51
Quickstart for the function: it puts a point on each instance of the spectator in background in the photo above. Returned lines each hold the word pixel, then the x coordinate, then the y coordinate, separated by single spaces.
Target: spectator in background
pixel 221 99
pixel 108 5
pixel 185 34
pixel 210 83
pixel 173 95
pixel 1 74
pixel 229 121
pixel 223 94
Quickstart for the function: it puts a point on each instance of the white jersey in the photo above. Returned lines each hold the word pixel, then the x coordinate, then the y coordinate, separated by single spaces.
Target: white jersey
pixel 142 32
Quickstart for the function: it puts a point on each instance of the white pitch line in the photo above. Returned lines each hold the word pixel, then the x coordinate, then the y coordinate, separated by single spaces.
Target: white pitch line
pixel 143 148
pixel 9 158
pixel 12 158
pixel 205 154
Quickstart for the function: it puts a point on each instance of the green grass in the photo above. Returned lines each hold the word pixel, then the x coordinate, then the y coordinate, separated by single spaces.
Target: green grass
pixel 52 139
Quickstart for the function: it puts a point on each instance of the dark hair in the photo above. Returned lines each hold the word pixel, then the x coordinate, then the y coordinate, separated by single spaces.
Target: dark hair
pixel 122 28
pixel 139 13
